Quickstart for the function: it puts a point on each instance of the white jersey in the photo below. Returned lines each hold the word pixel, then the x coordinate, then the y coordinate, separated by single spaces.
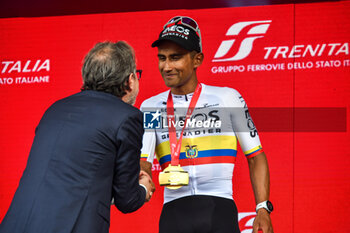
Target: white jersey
pixel 208 150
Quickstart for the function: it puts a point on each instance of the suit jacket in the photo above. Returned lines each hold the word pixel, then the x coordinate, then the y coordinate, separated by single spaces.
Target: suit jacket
pixel 86 150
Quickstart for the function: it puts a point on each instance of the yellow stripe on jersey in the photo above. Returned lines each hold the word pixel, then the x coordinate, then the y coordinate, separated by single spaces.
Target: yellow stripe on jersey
pixel 253 150
pixel 202 143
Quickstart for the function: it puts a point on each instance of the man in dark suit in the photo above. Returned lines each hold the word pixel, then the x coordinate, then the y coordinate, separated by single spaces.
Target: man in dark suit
pixel 85 152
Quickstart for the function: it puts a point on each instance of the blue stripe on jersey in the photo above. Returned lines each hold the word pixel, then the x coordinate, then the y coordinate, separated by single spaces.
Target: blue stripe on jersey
pixel 202 154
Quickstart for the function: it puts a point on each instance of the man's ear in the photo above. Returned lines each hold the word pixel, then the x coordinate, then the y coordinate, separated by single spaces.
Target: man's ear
pixel 198 59
pixel 130 82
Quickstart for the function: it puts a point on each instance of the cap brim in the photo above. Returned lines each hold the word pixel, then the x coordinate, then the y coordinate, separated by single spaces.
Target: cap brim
pixel 156 43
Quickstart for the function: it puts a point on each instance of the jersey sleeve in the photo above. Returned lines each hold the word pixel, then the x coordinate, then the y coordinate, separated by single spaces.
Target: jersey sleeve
pixel 148 146
pixel 148 142
pixel 243 126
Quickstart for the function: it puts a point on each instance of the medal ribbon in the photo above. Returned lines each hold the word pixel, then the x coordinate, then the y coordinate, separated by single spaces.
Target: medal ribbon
pixel 175 145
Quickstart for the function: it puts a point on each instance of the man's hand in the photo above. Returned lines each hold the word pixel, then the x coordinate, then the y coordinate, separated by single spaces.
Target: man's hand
pixel 146 180
pixel 147 167
pixel 262 222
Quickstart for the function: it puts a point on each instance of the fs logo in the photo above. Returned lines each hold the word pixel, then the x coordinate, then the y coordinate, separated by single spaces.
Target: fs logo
pixel 152 119
pixel 251 31
pixel 245 221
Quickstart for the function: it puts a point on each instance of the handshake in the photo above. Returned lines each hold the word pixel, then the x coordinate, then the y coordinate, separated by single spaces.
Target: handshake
pixel 146 181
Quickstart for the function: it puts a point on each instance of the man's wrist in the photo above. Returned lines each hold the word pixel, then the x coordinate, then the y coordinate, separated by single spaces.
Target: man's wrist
pixel 263 211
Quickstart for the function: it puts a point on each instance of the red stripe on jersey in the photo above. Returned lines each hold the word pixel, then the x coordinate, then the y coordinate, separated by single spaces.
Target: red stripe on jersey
pixel 205 160
pixel 254 154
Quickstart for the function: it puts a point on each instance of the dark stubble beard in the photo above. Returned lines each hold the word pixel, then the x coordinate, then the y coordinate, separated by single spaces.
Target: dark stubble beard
pixel 132 99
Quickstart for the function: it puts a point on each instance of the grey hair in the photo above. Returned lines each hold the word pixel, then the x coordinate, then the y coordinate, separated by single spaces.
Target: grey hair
pixel 107 67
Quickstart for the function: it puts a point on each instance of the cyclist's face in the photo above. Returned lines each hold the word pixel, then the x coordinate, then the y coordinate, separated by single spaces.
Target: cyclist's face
pixel 176 65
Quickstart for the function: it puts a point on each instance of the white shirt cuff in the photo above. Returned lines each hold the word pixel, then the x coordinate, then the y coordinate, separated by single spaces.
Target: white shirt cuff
pixel 144 188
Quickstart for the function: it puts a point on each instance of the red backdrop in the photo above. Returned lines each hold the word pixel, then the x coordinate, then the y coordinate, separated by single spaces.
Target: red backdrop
pixel 290 60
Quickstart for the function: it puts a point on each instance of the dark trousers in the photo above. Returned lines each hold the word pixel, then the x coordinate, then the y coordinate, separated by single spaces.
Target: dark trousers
pixel 199 214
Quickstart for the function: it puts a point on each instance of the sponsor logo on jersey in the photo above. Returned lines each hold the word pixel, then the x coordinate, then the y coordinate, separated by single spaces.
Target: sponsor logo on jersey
pixel 250 124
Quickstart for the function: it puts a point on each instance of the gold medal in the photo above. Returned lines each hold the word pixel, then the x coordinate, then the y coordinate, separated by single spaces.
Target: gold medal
pixel 173 177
